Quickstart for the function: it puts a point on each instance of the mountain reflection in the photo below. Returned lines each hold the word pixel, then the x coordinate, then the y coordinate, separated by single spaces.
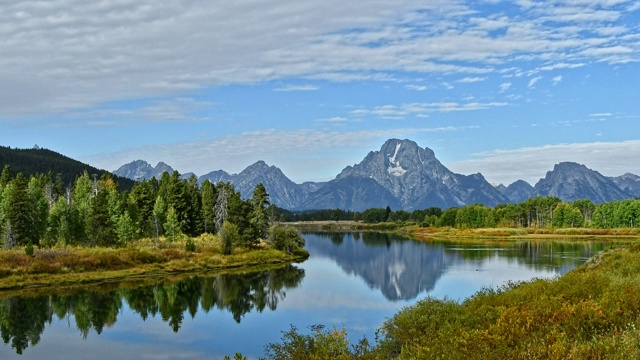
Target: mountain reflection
pixel 402 268
pixel 399 267
pixel 23 319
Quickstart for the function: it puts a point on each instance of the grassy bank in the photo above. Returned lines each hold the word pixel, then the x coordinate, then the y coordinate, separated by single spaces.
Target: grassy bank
pixel 503 234
pixel 82 265
pixel 592 312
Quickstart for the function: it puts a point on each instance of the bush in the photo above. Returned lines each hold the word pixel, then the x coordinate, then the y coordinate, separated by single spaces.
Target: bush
pixel 190 245
pixel 230 236
pixel 285 239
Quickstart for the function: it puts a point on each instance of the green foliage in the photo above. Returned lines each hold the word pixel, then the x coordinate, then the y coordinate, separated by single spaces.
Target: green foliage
pixel 259 219
pixel 125 228
pixel 208 204
pixel 190 245
pixel 172 225
pixel 322 344
pixel 229 236
pixel 285 239
pixel 28 250
pixel 159 216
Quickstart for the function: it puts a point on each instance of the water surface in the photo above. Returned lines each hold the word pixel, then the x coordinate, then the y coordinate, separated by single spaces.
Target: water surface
pixel 355 280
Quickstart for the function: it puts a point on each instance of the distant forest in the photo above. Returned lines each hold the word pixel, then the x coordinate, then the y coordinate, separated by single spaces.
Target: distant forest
pixel 537 212
pixel 63 169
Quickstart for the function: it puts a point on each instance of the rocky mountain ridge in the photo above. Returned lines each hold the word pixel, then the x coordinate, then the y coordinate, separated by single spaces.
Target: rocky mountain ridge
pixel 403 175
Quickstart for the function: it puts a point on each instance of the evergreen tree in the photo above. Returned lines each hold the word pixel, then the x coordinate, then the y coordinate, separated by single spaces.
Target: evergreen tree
pixel 158 216
pixel 39 210
pixel 20 211
pixel 125 228
pixel 172 225
pixel 259 219
pixel 208 196
pixel 101 230
pixel 6 176
pixel 142 199
pixel 191 198
pixel 82 195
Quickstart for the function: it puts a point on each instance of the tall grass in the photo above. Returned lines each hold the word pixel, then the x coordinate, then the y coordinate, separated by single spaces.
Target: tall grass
pixel 592 312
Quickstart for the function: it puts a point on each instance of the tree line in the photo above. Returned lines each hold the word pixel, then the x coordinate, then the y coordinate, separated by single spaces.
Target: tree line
pixel 41 210
pixel 536 212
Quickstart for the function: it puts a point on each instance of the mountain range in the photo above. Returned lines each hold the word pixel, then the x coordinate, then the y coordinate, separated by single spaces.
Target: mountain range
pixel 403 175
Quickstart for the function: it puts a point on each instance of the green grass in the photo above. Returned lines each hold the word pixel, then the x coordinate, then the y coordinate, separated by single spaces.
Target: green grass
pixel 69 265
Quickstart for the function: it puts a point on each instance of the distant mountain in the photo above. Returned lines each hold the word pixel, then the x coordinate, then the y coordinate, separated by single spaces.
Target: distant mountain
pixel 283 192
pixel 353 193
pixel 402 175
pixel 517 192
pixel 571 181
pixel 42 161
pixel 142 170
pixel 629 183
pixel 415 179
pixel 217 176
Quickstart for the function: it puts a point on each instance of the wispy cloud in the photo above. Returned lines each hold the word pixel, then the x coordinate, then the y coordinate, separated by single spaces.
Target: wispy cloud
pixel 416 87
pixel 336 119
pixel 469 80
pixel 533 81
pixel 297 88
pixel 556 80
pixel 390 111
pixel 105 53
pixel 504 87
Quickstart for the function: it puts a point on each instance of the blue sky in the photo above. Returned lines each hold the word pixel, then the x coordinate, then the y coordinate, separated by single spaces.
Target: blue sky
pixel 505 88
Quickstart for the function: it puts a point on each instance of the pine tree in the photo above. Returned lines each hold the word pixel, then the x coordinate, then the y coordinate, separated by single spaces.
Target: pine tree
pixel 259 218
pixel 158 216
pixel 208 203
pixel 125 228
pixel 172 225
pixel 6 176
pixel 39 210
pixel 20 211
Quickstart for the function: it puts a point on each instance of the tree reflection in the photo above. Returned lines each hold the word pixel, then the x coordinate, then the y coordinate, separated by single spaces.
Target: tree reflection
pixel 22 320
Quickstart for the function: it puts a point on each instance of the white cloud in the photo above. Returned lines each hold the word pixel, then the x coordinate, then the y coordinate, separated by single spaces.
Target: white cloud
pixel 74 54
pixel 401 111
pixel 601 114
pixel 336 119
pixel 532 163
pixel 533 81
pixel 296 88
pixel 556 80
pixel 469 80
pixel 416 87
pixel 504 87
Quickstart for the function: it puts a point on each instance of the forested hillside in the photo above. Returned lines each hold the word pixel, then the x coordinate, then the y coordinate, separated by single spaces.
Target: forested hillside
pixel 34 161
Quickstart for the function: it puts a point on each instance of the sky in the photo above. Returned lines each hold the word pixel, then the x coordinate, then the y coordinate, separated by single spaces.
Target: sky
pixel 504 88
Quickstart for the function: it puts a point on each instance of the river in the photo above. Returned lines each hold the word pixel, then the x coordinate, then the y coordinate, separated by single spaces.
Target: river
pixel 351 280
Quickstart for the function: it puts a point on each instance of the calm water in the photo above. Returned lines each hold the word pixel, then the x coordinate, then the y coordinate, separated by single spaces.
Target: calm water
pixel 351 280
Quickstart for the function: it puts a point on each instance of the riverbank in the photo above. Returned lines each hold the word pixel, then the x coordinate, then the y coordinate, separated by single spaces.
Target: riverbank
pixel 445 233
pixel 145 258
pixel 592 312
